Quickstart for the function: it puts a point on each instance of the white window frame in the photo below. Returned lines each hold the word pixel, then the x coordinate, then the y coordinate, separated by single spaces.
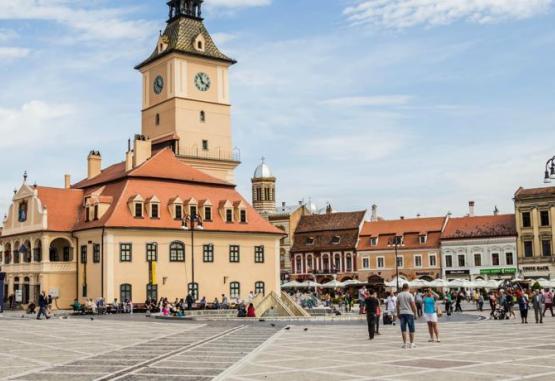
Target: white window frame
pixel 402 258
pixel 373 241
pixel 430 256
pixel 474 259
pixel 367 267
pixel 378 262
pixel 414 259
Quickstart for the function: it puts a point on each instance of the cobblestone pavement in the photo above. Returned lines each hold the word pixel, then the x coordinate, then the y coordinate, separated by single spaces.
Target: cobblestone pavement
pixel 146 349
pixel 470 351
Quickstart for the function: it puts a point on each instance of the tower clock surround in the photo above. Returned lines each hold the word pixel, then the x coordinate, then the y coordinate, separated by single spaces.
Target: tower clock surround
pixel 186 103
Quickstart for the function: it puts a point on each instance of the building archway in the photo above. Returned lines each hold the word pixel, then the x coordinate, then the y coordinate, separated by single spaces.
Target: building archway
pixel 15 252
pixel 60 250
pixel 37 251
pixel 7 254
pixel 25 251
pixel 26 290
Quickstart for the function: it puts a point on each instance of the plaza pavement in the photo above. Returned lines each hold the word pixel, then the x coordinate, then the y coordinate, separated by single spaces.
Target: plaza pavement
pixel 137 348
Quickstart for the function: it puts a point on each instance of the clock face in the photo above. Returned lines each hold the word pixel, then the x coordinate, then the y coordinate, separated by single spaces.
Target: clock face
pixel 202 81
pixel 158 84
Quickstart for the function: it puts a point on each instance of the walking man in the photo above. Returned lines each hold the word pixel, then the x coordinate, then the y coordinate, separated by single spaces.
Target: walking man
pixel 43 303
pixel 371 303
pixel 391 306
pixel 406 309
pixel 537 304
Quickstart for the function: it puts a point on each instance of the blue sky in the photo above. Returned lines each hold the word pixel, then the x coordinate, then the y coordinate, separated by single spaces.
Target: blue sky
pixel 417 106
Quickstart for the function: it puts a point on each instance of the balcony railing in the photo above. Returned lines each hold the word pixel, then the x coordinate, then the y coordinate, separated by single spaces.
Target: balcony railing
pixel 211 154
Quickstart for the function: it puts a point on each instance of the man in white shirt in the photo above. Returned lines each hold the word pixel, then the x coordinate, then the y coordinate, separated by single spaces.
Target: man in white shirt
pixel 391 306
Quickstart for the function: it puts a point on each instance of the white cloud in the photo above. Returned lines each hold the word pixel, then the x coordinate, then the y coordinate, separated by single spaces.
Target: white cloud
pixel 7 34
pixel 380 100
pixel 400 14
pixel 223 38
pixel 90 23
pixel 8 53
pixel 237 3
pixel 35 123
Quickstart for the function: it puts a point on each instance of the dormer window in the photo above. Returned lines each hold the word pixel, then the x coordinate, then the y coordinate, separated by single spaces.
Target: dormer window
pixel 207 213
pixel 309 241
pixel 199 43
pixel 95 214
pixel 422 239
pixel 87 214
pixel 154 210
pixel 335 239
pixel 229 215
pixel 178 212
pixel 138 210
pixel 243 215
pixel 374 241
pixel 398 240
pixel 193 210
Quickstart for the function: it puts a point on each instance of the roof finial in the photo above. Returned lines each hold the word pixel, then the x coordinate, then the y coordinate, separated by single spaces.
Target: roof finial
pixel 263 159
pixel 25 176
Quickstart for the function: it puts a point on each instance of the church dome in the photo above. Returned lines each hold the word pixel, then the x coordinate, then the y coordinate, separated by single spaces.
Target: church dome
pixel 262 171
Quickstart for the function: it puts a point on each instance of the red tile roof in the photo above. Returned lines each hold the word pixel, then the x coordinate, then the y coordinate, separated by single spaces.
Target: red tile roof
pixel 63 206
pixel 162 165
pixel 502 225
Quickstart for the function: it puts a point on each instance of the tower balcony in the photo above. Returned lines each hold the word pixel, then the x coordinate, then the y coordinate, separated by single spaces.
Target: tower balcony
pixel 211 154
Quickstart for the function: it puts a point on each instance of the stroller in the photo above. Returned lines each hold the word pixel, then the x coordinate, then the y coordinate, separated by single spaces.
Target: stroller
pixel 500 313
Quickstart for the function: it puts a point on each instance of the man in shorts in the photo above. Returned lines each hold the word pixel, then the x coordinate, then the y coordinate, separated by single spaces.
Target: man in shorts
pixel 406 309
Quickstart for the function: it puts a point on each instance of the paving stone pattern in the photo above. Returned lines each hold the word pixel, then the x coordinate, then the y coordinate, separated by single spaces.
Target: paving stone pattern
pixel 481 351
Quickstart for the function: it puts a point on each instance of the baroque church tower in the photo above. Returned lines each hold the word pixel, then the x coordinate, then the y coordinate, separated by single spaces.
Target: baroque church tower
pixel 263 189
pixel 185 101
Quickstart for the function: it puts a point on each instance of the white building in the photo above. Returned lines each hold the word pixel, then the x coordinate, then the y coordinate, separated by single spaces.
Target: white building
pixel 479 247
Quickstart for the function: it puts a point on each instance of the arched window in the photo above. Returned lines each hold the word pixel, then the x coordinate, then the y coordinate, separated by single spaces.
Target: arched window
pixel 199 45
pixel 37 251
pixel 309 263
pixel 349 264
pixel 16 253
pixel 259 288
pixel 125 292
pixel 234 289
pixel 22 212
pixel 152 291
pixel 298 264
pixel 177 252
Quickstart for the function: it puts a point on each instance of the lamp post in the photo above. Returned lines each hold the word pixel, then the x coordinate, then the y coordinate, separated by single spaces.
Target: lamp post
pixel 192 222
pixel 395 242
pixel 549 173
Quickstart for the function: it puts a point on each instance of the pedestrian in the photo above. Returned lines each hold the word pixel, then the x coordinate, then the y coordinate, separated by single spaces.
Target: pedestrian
pixel 492 302
pixel 203 303
pixel 348 302
pixel 480 302
pixel 251 312
pixel 189 299
pixel 371 303
pixel 431 314
pixel 458 300
pixel 361 298
pixel 378 315
pixel 523 305
pixel 419 299
pixel 391 306
pixel 537 304
pixel 43 303
pixel 406 309
pixel 448 304
pixel 548 301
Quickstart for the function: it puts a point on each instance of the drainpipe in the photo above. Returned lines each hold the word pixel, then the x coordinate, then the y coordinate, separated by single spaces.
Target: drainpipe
pixel 102 263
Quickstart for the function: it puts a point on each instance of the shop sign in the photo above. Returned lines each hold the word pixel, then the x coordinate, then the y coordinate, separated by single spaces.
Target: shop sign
pixel 508 270
pixel 535 268
pixel 457 272
pixel 18 296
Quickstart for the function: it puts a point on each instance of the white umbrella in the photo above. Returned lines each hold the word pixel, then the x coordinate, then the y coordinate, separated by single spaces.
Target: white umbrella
pixel 309 284
pixel 333 284
pixel 492 283
pixel 292 284
pixel 393 282
pixel 544 282
pixel 480 283
pixel 456 283
pixel 353 282
pixel 439 283
pixel 419 283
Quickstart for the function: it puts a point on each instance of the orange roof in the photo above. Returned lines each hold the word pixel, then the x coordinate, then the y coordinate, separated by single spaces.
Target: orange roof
pixel 162 165
pixel 63 206
pixel 407 225
pixel 502 225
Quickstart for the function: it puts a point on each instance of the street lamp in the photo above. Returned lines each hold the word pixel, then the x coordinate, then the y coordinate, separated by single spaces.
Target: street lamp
pixel 549 173
pixel 395 242
pixel 192 222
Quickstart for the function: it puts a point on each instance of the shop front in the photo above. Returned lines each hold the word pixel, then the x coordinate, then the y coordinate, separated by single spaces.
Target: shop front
pixel 537 271
pixel 499 273
pixel 457 274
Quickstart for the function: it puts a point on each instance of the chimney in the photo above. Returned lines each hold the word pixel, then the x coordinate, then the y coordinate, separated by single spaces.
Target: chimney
pixel 495 211
pixel 300 203
pixel 328 209
pixel 283 204
pixel 94 164
pixel 471 208
pixel 402 217
pixel 67 181
pixel 128 161
pixel 142 151
pixel 374 216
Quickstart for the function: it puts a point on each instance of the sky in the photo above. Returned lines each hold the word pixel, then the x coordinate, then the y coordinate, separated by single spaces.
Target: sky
pixel 417 106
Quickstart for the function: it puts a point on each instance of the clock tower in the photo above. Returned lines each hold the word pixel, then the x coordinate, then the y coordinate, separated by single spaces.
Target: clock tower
pixel 185 102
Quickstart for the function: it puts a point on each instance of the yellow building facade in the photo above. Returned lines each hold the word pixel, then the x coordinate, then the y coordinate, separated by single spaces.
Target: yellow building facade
pixel 164 222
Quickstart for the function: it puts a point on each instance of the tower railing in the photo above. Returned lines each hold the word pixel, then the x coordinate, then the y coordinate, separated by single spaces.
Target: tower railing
pixel 211 154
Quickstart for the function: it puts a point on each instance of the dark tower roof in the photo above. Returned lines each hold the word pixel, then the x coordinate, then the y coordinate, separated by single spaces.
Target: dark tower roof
pixel 184 26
